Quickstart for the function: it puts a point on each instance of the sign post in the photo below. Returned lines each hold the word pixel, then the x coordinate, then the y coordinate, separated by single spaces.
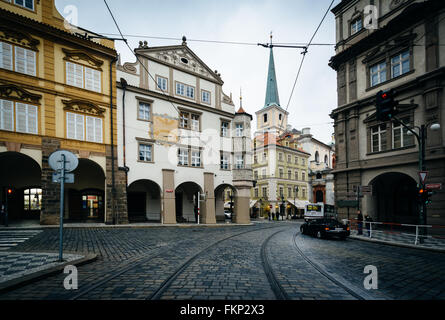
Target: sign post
pixel 62 161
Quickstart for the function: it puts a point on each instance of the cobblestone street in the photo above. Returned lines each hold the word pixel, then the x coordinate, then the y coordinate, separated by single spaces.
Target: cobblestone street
pixel 266 261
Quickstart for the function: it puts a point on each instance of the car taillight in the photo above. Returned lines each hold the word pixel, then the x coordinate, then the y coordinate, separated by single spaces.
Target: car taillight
pixel 347 229
pixel 327 229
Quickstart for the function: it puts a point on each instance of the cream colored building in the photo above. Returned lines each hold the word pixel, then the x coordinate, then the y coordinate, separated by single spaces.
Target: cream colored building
pixel 180 137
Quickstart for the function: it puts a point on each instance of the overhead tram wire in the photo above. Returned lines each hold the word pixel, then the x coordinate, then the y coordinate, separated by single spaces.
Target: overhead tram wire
pixel 304 55
pixel 137 58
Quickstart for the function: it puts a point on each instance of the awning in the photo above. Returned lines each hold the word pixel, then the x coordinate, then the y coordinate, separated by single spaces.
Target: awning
pixel 299 204
pixel 252 203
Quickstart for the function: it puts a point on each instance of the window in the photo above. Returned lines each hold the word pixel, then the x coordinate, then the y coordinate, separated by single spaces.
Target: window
pixel 6 56
pixel 303 176
pixel 161 83
pixel 264 192
pixel 185 90
pixel 400 64
pixel 205 96
pixel 145 152
pixel 296 160
pixel 25 3
pixel 77 124
pixel 400 137
pixel 183 157
pixel 224 129
pixel 289 192
pixel 281 192
pixel 189 120
pixel 280 156
pixel 296 175
pixel 32 199
pixel 239 161
pixel 264 173
pixel 303 191
pixel 378 138
pixel 25 116
pixel 378 73
pixel 289 157
pixel 317 157
pixel 195 122
pixel 280 170
pixel 255 174
pixel 224 161
pixel 239 130
pixel 83 77
pixel 144 111
pixel 356 26
pixel 264 156
pixel 289 174
pixel 256 192
pixel 265 117
pixel 196 158
pixel 24 60
pixel 326 159
pixel 279 117
pixel 302 161
pixel 255 159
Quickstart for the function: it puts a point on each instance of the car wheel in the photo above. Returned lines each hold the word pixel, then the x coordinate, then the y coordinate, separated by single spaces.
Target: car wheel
pixel 302 230
pixel 319 235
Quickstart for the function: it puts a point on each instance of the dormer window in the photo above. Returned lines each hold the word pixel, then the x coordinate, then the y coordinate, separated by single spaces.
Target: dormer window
pixel 28 4
pixel 356 25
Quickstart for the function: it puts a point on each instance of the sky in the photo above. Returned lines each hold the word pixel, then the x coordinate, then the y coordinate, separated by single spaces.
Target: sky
pixel 242 67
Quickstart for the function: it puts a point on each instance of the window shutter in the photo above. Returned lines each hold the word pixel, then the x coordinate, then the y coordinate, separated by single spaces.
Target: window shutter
pixel 96 81
pixel 98 129
pixel 6 115
pixel 79 127
pixel 89 78
pixel 78 79
pixel 20 112
pixel 20 60
pixel 90 129
pixel 32 119
pixel 5 56
pixel 70 125
pixel 70 73
pixel 30 62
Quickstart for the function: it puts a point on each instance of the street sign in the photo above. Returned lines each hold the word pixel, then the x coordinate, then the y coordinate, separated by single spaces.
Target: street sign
pixel 433 186
pixel 69 177
pixel 422 176
pixel 55 160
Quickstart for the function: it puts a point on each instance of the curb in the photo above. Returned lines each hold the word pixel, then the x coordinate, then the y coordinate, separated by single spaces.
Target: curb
pixel 398 244
pixel 33 277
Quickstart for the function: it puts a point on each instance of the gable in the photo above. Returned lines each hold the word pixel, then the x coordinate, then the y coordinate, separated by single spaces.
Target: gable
pixel 182 58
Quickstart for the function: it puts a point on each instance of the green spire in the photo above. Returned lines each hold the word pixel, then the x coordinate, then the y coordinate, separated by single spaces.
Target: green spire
pixel 272 88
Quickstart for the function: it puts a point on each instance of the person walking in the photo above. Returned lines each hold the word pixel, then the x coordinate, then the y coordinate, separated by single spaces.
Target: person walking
pixel 359 222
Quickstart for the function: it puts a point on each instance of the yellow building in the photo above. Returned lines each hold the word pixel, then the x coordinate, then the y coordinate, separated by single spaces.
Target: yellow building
pixel 56 92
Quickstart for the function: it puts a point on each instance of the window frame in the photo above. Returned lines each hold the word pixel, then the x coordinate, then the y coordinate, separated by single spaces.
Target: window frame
pixel 239 132
pixel 381 135
pixel 15 117
pixel 84 126
pixel 84 67
pixel 403 134
pixel 146 144
pixel 224 159
pixel 202 97
pixel 158 77
pixel 185 90
pixel 379 71
pixel 354 22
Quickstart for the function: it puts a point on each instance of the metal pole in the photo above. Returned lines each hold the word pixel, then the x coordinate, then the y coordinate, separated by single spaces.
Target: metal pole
pixel 6 209
pixel 62 197
pixel 199 200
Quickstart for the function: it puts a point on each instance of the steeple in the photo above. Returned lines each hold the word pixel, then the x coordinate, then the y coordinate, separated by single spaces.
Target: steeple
pixel 272 97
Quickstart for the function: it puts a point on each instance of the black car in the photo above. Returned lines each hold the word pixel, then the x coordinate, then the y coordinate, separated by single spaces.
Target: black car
pixel 325 227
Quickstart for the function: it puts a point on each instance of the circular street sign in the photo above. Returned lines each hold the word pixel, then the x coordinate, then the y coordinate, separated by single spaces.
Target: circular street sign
pixel 55 160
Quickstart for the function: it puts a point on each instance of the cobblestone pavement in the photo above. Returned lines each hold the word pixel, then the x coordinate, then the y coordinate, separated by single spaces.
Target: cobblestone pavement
pixel 135 263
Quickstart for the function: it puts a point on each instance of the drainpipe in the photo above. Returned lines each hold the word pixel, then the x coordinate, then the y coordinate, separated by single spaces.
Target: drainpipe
pixel 124 85
pixel 113 183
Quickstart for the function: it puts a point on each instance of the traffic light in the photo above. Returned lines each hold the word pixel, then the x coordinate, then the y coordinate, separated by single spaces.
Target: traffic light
pixel 424 195
pixel 385 105
pixel 428 196
pixel 9 191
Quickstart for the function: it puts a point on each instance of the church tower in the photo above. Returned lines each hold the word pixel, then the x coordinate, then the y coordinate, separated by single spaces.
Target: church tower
pixel 271 117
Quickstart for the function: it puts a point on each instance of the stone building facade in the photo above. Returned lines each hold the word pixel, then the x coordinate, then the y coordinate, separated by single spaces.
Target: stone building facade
pixel 405 53
pixel 57 92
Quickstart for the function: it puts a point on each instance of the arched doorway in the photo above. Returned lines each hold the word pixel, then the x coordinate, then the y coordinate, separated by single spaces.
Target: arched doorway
pixel 23 174
pixel 319 196
pixel 144 201
pixel 394 198
pixel 186 195
pixel 86 196
pixel 225 195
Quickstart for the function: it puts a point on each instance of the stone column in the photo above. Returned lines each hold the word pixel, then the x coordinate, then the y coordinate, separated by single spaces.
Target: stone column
pixel 169 201
pixel 50 212
pixel 242 205
pixel 115 203
pixel 208 207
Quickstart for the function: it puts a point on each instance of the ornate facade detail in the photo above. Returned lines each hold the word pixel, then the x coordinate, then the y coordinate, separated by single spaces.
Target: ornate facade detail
pixel 77 55
pixel 18 37
pixel 12 91
pixel 83 106
pixel 129 67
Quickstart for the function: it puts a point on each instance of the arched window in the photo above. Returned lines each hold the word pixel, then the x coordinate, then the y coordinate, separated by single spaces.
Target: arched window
pixel 317 157
pixel 326 159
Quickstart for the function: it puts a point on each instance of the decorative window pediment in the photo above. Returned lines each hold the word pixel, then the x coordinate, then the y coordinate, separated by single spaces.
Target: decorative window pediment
pixel 14 92
pixel 83 106
pixel 79 55
pixel 18 37
pixel 389 47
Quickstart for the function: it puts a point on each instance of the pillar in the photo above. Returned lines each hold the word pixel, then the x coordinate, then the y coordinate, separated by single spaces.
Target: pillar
pixel 208 208
pixel 242 205
pixel 169 202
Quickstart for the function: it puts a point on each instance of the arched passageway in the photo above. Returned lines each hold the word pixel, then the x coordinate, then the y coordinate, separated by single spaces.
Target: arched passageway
pixel 22 175
pixel 186 195
pixel 144 201
pixel 225 195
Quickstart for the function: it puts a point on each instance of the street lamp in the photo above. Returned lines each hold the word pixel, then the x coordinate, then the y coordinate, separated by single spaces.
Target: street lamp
pixel 231 207
pixel 421 138
pixel 295 194
pixel 282 208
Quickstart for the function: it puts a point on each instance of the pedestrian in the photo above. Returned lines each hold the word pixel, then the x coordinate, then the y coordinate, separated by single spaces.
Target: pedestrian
pixel 368 221
pixel 359 222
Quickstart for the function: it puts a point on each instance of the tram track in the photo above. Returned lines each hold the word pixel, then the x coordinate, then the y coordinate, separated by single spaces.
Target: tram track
pixel 138 261
pixel 354 292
